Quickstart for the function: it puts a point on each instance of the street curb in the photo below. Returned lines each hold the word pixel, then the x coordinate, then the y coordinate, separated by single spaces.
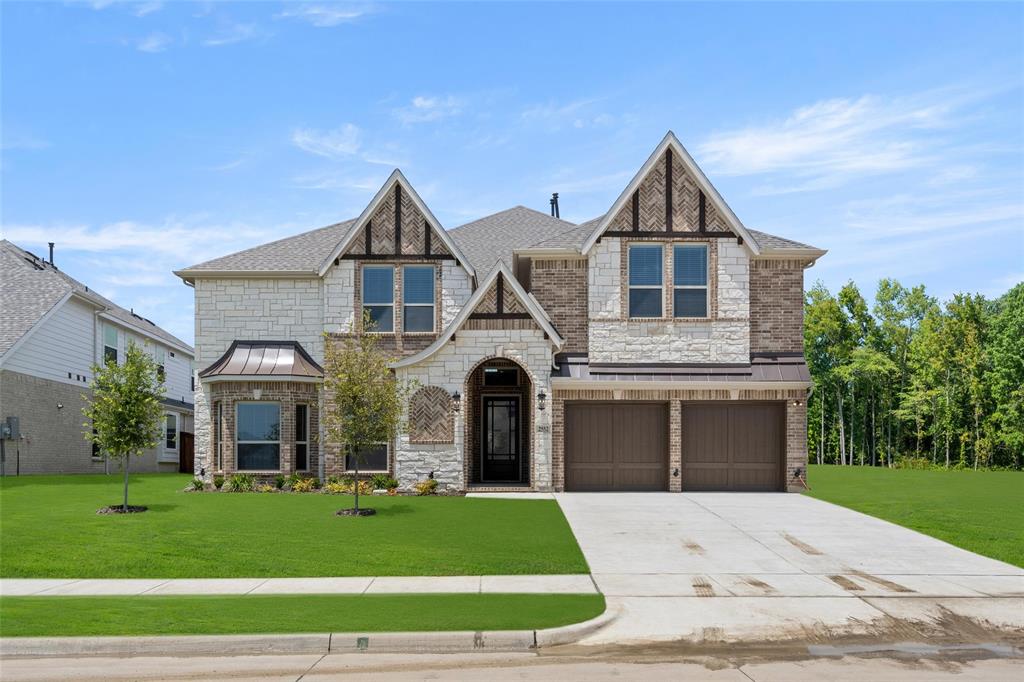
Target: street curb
pixel 314 643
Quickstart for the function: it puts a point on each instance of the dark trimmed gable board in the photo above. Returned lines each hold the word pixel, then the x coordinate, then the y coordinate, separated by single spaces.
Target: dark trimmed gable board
pixel 524 290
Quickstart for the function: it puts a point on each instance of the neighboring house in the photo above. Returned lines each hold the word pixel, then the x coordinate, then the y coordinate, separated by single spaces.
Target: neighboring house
pixel 52 329
pixel 656 347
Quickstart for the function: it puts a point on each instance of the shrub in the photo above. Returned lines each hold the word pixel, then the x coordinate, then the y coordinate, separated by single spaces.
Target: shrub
pixel 347 486
pixel 426 487
pixel 266 488
pixel 218 482
pixel 279 481
pixel 383 482
pixel 914 463
pixel 195 484
pixel 241 483
pixel 305 485
pixel 335 488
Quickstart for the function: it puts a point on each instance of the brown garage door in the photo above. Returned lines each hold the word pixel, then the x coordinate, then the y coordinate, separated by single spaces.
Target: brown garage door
pixel 616 446
pixel 733 447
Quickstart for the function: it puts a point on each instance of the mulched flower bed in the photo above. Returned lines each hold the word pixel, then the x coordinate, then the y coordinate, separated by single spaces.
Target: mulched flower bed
pixel 119 509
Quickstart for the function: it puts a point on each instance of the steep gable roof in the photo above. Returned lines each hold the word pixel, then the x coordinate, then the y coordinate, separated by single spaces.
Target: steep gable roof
pixel 396 178
pixel 670 141
pixel 529 302
pixel 30 288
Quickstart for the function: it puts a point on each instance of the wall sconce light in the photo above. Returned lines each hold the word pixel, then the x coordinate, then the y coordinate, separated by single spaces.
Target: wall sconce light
pixel 541 397
pixel 456 401
pixel 60 406
pixel 675 473
pixel 797 403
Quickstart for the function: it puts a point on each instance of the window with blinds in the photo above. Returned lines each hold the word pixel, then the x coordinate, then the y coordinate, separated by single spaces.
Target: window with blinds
pixel 379 297
pixel 690 280
pixel 645 280
pixel 418 298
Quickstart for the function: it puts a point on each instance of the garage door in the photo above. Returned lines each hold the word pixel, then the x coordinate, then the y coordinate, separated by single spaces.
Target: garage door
pixel 733 447
pixel 616 446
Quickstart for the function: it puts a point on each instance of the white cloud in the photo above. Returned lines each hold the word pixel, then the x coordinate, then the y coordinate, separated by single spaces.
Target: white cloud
pixel 235 33
pixel 144 8
pixel 424 108
pixel 154 42
pixel 326 16
pixel 342 141
pixel 338 181
pixel 578 114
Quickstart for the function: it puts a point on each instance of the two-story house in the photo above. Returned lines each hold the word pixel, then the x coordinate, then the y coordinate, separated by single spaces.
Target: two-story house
pixel 656 347
pixel 53 329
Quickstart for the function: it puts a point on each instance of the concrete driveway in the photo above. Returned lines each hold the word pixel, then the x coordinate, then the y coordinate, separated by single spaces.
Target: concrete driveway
pixel 734 566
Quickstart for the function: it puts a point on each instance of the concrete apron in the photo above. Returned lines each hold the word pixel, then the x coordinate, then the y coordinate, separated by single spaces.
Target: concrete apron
pixel 314 643
pixel 773 568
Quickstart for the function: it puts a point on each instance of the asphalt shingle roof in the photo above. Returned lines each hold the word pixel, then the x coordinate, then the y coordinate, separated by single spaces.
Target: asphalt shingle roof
pixel 30 287
pixel 492 238
pixel 770 241
pixel 300 252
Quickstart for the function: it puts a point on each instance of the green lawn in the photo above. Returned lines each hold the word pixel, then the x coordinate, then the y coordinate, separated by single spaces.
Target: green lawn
pixel 84 616
pixel 981 511
pixel 49 529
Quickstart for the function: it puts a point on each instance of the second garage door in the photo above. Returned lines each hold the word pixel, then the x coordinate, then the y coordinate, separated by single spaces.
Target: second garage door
pixel 733 447
pixel 616 446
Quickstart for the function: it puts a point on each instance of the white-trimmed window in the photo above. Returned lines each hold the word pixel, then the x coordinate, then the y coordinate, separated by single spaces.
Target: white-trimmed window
pixel 170 450
pixel 258 436
pixel 645 280
pixel 379 296
pixel 418 298
pixel 302 437
pixel 690 280
pixel 374 460
pixel 160 357
pixel 109 344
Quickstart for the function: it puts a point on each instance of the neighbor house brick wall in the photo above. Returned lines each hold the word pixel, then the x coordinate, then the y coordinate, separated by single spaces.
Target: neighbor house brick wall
pixel 796 422
pixel 560 285
pixel 776 306
pixel 53 438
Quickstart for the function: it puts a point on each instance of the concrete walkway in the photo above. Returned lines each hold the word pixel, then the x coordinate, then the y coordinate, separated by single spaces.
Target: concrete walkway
pixel 483 584
pixel 729 566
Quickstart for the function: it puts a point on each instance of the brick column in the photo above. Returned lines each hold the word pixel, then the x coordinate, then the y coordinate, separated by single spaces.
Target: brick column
pixel 796 442
pixel 675 445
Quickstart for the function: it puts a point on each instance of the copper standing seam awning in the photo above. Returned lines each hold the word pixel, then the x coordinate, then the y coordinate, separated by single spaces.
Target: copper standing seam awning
pixel 266 359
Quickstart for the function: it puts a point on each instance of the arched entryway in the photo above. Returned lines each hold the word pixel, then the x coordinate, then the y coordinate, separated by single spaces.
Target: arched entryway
pixel 498 425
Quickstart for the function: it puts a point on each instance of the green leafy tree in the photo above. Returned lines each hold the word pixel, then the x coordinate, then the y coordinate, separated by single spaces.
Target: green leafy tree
pixel 1006 373
pixel 124 410
pixel 364 399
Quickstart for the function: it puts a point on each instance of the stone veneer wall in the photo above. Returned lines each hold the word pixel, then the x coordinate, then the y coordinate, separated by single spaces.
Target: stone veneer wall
pixel 288 394
pixel 796 423
pixel 723 337
pixel 450 368
pixel 776 306
pixel 560 285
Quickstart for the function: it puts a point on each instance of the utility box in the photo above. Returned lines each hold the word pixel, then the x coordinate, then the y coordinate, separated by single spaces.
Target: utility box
pixel 10 429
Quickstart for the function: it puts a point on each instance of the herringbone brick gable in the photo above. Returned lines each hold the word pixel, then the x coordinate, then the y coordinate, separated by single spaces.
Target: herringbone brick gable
pixel 430 416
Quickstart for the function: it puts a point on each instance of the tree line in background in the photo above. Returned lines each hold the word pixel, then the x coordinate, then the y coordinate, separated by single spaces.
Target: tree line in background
pixel 907 381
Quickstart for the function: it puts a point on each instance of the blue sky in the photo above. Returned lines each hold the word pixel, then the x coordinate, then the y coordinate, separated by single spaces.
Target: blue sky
pixel 147 136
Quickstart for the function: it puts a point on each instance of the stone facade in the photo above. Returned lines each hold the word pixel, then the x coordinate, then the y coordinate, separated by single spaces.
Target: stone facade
pixel 560 285
pixel 776 306
pixel 796 423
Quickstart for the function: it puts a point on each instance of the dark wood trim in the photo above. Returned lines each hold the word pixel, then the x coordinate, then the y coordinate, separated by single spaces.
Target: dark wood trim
pixel 397 257
pixel 636 210
pixel 501 293
pixel 671 235
pixel 426 237
pixel 398 219
pixel 702 224
pixel 368 238
pixel 668 189
pixel 500 316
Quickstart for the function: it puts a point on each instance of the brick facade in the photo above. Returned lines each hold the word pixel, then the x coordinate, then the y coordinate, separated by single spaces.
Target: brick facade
pixel 560 285
pixel 796 423
pixel 776 306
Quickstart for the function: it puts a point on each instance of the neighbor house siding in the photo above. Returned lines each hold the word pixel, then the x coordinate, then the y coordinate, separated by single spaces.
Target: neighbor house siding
pixel 62 344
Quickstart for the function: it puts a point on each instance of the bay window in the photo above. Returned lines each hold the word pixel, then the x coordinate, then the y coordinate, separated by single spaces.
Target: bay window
pixel 374 459
pixel 258 436
pixel 301 437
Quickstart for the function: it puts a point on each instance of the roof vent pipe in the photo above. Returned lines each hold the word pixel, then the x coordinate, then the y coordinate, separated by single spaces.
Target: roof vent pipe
pixel 51 252
pixel 554 205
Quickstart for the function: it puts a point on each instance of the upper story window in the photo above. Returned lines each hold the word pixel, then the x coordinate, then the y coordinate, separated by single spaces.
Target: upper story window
pixel 379 296
pixel 109 344
pixel 690 280
pixel 645 280
pixel 418 298
pixel 160 357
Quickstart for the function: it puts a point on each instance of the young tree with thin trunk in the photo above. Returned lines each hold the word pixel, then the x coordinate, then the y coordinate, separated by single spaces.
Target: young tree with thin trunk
pixel 364 399
pixel 124 410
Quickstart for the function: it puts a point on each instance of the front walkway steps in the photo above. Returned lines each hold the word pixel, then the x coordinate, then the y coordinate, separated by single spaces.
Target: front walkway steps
pixel 475 584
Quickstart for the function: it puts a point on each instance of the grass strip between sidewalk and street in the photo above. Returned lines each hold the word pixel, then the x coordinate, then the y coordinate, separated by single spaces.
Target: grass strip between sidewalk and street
pixel 281 614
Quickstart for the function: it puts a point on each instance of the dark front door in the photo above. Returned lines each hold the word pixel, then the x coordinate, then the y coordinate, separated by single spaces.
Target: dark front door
pixel 501 458
pixel 186 457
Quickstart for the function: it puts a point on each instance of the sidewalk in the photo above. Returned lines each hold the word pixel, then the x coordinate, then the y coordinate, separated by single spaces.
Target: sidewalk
pixel 481 584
